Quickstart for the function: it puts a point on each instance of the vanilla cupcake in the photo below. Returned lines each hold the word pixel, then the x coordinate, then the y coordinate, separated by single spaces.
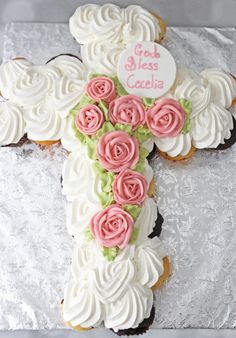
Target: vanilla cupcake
pixel 113 298
pixel 12 124
pixel 70 86
pixel 105 31
pixel 9 72
pixel 210 95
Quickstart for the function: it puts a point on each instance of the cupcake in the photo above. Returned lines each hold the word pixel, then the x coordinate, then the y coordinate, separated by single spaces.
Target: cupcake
pixel 70 86
pixel 12 126
pixel 208 97
pixel 113 298
pixel 111 214
pixel 104 31
pixel 9 72
pixel 46 94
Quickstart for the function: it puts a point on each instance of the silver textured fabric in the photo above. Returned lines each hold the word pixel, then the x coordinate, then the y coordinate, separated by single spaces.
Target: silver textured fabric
pixel 197 200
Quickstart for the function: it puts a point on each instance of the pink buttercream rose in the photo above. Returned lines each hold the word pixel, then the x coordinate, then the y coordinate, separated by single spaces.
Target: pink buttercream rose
pixel 118 151
pixel 130 187
pixel 112 227
pixel 165 118
pixel 101 88
pixel 89 119
pixel 127 110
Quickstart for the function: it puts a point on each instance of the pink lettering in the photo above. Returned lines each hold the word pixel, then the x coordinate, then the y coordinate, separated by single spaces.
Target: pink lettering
pixel 131 64
pixel 136 50
pixel 144 84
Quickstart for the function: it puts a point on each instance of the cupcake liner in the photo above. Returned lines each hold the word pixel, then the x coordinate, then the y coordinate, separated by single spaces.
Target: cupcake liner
pixel 141 329
pixel 152 154
pixel 22 141
pixel 228 143
pixel 158 226
pixel 68 54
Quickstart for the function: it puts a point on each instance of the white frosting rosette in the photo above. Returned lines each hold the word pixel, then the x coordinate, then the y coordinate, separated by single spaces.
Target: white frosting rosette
pixel 46 94
pixel 105 31
pixel 12 124
pixel 69 140
pixel 211 94
pixel 69 87
pixel 9 72
pixel 123 302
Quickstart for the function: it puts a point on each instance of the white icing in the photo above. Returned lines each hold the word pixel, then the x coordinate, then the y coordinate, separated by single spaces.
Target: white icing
pixel 131 309
pixel 154 80
pixel 70 66
pixel 149 261
pixel 80 306
pixel 86 257
pixel 148 172
pixel 69 141
pixel 67 94
pixel 79 177
pixel 146 220
pixel 70 87
pixel 148 144
pixel 108 23
pixel 105 284
pixel 42 122
pixel 12 125
pixel 211 127
pixel 140 25
pixel 106 30
pixel 101 56
pixel 209 94
pixel 35 85
pixel 81 23
pixel 9 71
pixel 79 213
pixel 174 146
pixel 223 86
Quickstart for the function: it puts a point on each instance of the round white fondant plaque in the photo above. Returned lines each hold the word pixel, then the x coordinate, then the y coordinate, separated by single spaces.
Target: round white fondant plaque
pixel 147 69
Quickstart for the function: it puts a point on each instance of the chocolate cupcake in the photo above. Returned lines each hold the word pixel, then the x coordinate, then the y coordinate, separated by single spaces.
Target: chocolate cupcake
pixel 141 329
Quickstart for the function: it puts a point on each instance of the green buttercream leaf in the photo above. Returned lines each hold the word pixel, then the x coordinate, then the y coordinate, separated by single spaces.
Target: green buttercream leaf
pixel 110 253
pixel 102 105
pixel 133 210
pixel 84 100
pixel 80 136
pixel 106 199
pixel 88 234
pixel 187 106
pixel 142 134
pixel 148 102
pixel 107 179
pixel 124 127
pixel 106 127
pixel 91 147
pixel 98 168
pixel 134 236
pixel 140 166
pixel 120 90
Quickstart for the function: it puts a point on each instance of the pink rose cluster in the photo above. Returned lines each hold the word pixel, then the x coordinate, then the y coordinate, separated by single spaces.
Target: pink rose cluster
pixel 118 151
pixel 165 118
